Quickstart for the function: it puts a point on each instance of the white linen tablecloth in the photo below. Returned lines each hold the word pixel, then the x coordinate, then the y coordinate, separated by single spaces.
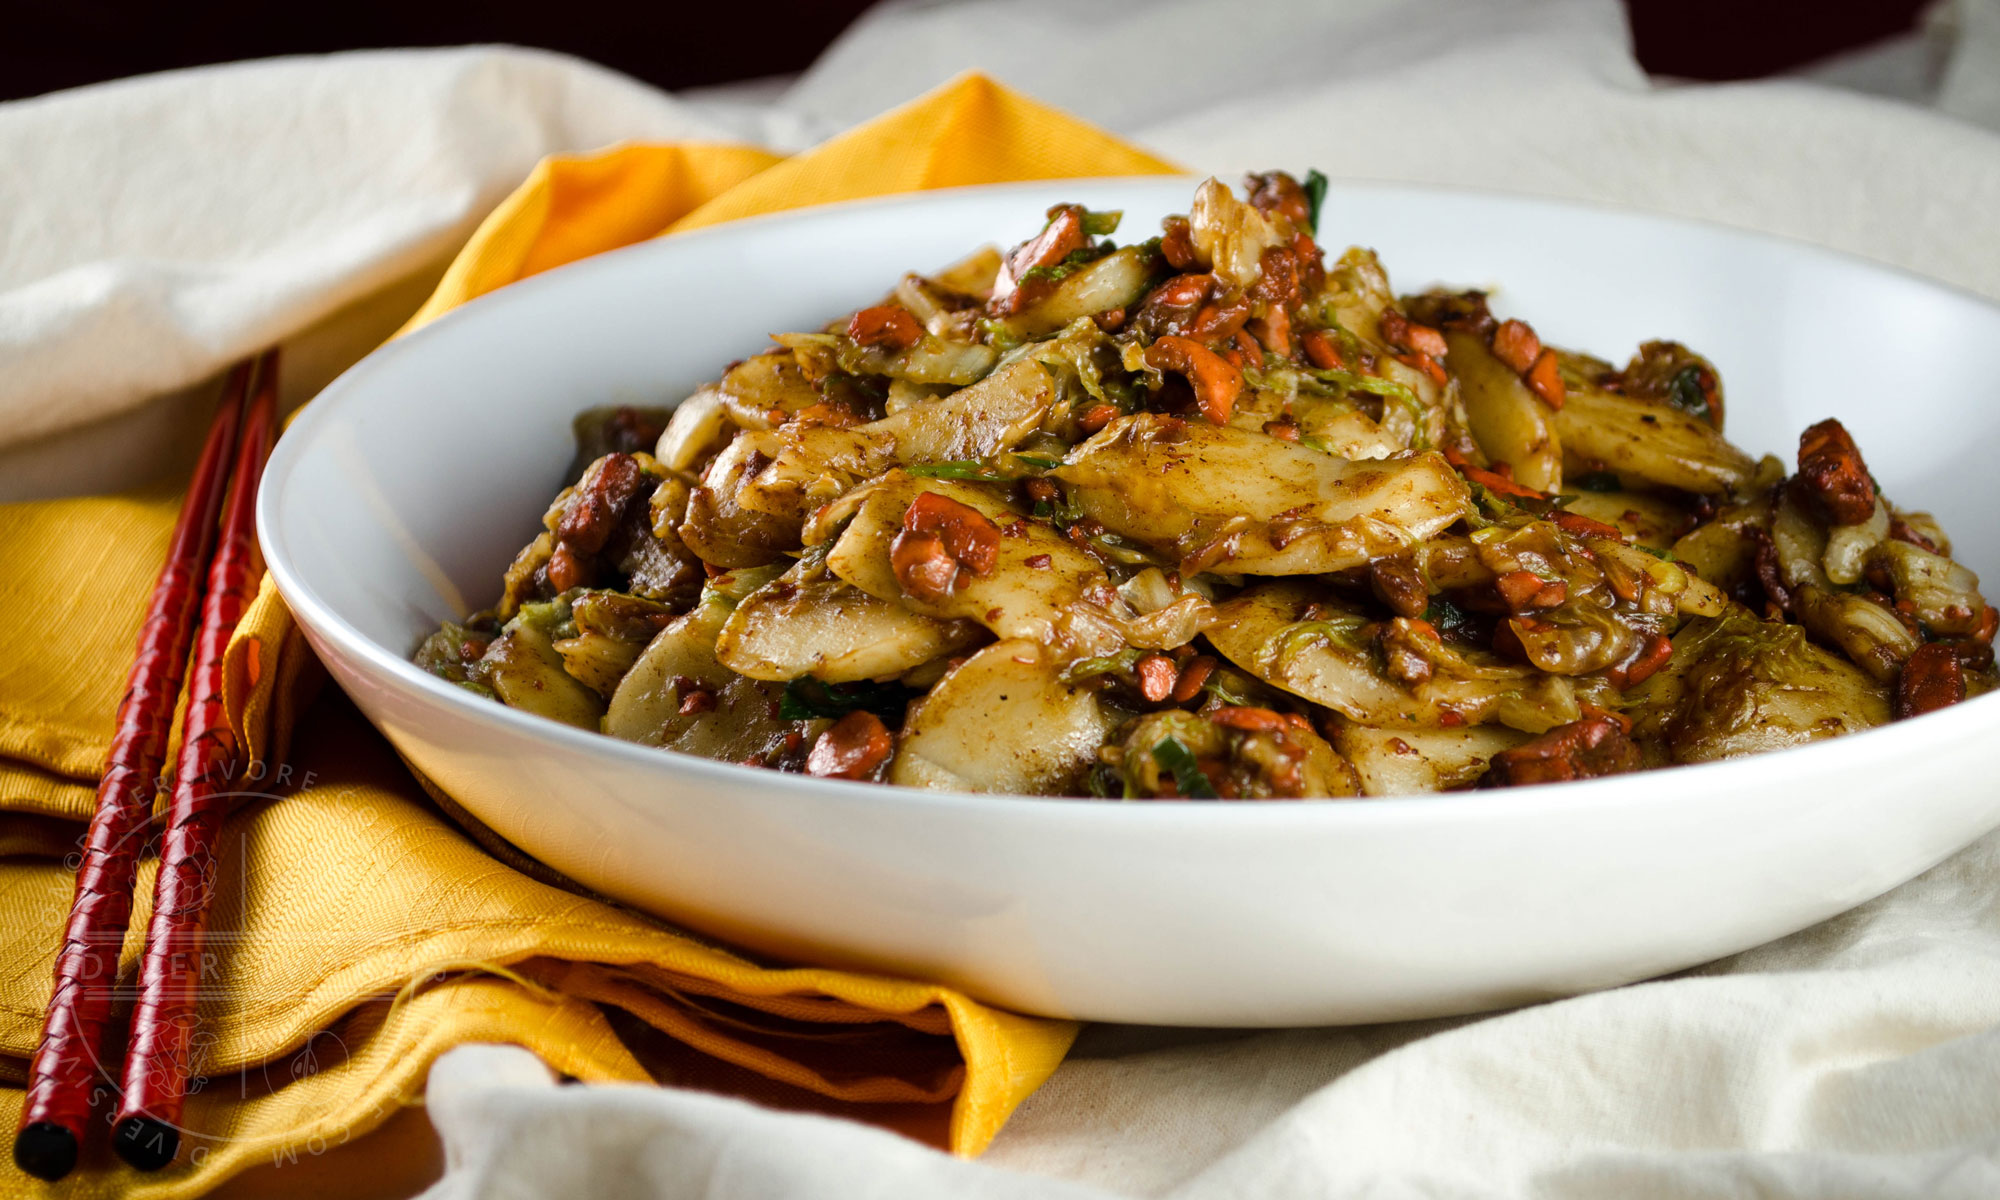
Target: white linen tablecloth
pixel 155 229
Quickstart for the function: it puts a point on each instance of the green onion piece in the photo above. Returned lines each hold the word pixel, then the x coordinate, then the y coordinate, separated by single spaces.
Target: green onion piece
pixel 1123 660
pixel 1342 631
pixel 1220 686
pixel 1074 261
pixel 997 334
pixel 1388 389
pixel 1102 224
pixel 979 471
pixel 1174 757
pixel 1491 505
pixel 1315 196
pixel 964 468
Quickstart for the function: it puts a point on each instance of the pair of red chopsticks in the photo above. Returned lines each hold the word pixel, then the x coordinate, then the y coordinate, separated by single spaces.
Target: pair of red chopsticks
pixel 215 533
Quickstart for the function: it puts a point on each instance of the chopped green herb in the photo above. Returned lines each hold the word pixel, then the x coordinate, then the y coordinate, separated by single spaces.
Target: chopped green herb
pixel 1445 616
pixel 1001 470
pixel 1662 555
pixel 1102 224
pixel 1172 756
pixel 964 468
pixel 1060 512
pixel 1074 261
pixel 806 698
pixel 813 558
pixel 1315 186
pixel 1686 394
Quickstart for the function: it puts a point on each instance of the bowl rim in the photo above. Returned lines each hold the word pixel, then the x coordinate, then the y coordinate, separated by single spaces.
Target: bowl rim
pixel 1776 768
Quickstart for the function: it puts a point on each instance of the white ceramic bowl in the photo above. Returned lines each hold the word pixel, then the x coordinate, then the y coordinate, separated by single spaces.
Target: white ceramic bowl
pixel 399 495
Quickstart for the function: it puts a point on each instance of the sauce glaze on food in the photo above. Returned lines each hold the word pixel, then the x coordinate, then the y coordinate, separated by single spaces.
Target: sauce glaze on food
pixel 1208 516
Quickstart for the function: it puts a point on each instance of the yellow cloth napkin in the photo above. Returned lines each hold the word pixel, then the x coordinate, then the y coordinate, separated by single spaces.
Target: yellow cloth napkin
pixel 358 932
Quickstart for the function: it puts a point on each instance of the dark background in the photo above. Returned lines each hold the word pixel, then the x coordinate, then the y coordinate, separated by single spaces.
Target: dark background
pixel 50 44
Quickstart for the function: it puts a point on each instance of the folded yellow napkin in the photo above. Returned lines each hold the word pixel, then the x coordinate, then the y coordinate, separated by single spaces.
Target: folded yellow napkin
pixel 361 928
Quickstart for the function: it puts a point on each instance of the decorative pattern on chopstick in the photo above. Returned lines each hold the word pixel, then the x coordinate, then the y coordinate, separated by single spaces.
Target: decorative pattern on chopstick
pixel 158 1056
pixel 62 1079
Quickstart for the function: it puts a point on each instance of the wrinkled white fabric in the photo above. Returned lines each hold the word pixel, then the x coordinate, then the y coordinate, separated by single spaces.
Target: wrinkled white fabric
pixel 1534 96
pixel 1853 1061
pixel 153 230
pixel 156 229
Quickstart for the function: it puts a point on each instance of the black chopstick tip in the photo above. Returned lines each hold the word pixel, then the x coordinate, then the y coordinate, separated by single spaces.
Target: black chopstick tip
pixel 146 1143
pixel 45 1150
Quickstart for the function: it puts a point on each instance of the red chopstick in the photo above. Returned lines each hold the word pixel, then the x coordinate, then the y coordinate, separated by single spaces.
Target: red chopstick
pixel 157 1060
pixel 62 1077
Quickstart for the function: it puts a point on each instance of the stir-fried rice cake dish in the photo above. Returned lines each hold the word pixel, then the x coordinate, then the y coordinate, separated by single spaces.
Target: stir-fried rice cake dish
pixel 1208 516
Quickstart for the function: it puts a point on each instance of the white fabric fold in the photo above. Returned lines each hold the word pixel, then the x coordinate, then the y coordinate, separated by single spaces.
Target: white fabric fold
pixel 1134 66
pixel 153 230
pixel 509 1131
pixel 1853 1060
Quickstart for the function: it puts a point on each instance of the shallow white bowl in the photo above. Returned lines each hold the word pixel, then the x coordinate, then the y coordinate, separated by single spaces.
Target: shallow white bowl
pixel 400 494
